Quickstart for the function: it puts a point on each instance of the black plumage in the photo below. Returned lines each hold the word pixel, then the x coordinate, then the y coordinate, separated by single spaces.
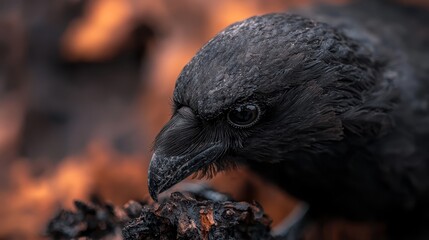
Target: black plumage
pixel 342 110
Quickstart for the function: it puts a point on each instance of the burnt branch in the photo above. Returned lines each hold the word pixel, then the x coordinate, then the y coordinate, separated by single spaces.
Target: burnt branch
pixel 181 216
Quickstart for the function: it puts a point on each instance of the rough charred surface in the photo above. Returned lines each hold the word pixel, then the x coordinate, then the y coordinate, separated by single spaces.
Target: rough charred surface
pixel 178 217
pixel 186 218
pixel 96 221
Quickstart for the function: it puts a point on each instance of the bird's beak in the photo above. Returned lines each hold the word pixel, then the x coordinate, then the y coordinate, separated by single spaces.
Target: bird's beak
pixel 165 171
pixel 178 153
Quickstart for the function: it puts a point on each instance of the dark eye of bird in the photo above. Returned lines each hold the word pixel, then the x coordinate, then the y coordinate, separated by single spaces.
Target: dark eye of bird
pixel 244 116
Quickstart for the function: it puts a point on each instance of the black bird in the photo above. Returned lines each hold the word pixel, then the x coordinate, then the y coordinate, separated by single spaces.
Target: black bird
pixel 333 108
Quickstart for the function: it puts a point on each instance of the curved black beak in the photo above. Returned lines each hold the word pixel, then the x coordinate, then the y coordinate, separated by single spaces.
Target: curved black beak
pixel 181 149
pixel 166 171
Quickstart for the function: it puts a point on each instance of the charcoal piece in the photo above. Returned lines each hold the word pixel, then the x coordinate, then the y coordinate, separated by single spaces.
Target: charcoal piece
pixel 94 221
pixel 133 208
pixel 182 217
pixel 149 226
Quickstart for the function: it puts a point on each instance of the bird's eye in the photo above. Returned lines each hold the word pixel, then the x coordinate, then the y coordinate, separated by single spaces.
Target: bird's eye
pixel 244 116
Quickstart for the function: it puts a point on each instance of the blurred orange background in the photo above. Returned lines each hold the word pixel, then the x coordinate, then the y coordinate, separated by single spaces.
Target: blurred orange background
pixel 84 88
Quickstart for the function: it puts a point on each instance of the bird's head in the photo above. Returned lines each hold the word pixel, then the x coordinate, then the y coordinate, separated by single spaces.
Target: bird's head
pixel 271 88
